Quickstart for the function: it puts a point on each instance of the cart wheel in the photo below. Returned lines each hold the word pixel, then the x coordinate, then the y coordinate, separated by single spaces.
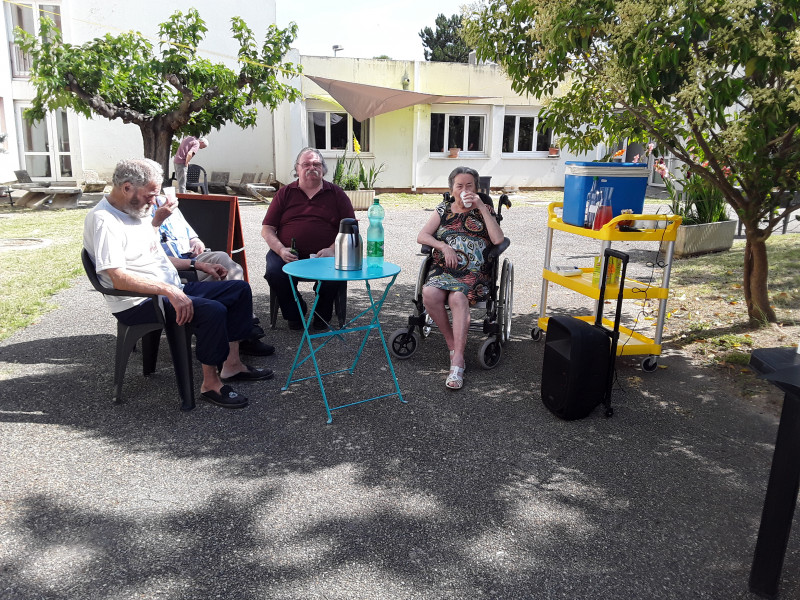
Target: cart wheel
pixel 649 364
pixel 490 353
pixel 403 343
pixel 536 334
pixel 505 302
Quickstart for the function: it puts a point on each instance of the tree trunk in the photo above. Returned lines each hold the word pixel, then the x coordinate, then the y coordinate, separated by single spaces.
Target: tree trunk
pixel 756 272
pixel 157 138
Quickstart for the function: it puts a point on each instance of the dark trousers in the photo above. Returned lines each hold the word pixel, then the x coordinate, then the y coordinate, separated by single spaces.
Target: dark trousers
pixel 223 312
pixel 279 284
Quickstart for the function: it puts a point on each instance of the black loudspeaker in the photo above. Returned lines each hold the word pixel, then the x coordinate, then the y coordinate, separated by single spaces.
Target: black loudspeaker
pixel 577 359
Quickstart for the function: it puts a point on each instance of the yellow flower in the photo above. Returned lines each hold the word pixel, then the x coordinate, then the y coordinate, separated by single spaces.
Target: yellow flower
pixel 356 145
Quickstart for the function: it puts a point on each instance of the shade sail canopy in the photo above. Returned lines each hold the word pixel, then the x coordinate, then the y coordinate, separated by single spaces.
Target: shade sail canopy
pixel 363 101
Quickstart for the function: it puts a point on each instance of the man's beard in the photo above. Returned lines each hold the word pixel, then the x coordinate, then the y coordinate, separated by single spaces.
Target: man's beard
pixel 138 213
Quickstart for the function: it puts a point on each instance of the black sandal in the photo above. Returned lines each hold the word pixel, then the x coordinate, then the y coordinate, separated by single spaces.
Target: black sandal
pixel 252 374
pixel 226 398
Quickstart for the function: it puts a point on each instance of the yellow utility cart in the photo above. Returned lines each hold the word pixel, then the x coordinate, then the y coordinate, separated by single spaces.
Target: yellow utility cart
pixel 660 228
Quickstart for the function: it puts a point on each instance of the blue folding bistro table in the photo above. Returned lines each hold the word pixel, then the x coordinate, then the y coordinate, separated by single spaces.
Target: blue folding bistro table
pixel 323 269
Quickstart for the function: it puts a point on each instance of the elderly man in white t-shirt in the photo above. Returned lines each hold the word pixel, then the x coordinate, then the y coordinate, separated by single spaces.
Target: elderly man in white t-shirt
pixel 127 254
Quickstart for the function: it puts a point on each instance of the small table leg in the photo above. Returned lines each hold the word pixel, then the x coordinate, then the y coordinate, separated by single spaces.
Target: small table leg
pixel 779 503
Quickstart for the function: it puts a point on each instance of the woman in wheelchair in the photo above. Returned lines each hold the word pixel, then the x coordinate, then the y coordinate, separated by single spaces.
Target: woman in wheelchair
pixel 460 231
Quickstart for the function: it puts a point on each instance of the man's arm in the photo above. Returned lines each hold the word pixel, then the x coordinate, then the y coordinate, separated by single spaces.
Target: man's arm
pixel 270 235
pixel 123 279
pixel 164 212
pixel 184 264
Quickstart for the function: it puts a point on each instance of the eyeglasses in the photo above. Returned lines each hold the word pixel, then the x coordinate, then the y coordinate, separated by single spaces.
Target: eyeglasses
pixel 315 165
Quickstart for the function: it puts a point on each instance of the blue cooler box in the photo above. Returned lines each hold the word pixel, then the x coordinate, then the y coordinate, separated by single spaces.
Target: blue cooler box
pixel 629 181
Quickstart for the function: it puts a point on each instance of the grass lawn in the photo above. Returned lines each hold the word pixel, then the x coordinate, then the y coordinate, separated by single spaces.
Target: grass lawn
pixel 28 278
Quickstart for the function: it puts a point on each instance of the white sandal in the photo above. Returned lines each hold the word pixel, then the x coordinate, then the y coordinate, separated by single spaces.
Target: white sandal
pixel 451 360
pixel 455 379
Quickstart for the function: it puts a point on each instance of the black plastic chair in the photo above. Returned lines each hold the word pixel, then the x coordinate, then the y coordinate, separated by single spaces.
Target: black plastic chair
pixel 193 179
pixel 179 338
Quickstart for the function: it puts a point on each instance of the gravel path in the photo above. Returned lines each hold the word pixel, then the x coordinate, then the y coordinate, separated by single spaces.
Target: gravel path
pixel 476 494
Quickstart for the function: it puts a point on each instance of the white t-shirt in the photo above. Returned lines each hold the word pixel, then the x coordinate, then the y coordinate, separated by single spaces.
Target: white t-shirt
pixel 116 240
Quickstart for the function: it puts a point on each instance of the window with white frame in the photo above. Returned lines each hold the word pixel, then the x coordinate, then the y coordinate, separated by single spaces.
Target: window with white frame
pixel 521 133
pixel 26 16
pixel 467 132
pixel 335 130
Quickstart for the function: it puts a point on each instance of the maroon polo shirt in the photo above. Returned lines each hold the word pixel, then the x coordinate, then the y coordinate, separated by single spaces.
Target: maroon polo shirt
pixel 312 222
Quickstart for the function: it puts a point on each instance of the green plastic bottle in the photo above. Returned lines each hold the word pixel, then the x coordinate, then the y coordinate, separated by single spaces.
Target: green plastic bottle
pixel 375 215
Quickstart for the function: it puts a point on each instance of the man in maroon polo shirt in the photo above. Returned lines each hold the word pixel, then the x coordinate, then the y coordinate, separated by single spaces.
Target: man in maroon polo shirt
pixel 307 211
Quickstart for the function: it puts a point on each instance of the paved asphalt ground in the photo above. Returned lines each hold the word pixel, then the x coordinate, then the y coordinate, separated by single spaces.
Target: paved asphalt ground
pixel 480 493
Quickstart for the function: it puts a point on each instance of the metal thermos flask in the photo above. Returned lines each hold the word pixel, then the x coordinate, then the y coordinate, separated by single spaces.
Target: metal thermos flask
pixel 348 250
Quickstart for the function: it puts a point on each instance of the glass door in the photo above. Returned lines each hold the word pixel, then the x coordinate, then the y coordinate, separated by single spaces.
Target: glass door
pixel 45 146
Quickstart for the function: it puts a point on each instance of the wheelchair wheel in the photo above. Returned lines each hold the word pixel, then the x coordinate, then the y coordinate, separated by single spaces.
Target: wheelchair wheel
pixel 506 300
pixel 490 353
pixel 403 344
pixel 422 276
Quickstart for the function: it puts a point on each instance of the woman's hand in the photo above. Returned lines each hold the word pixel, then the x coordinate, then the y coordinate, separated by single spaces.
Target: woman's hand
pixel 450 256
pixel 485 209
pixel 470 200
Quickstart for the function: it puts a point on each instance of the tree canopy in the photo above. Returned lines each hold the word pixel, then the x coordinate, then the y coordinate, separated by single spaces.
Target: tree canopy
pixel 713 82
pixel 445 44
pixel 172 92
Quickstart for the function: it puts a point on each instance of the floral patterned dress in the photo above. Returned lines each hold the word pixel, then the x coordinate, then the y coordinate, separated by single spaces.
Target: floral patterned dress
pixel 466 234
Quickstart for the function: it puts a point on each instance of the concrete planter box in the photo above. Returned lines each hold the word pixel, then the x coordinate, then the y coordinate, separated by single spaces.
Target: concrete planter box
pixel 694 240
pixel 360 199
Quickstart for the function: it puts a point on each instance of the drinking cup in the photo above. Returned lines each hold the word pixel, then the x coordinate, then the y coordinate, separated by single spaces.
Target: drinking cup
pixel 169 192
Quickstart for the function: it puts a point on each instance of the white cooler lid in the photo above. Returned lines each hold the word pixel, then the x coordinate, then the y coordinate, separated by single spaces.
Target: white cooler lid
pixel 608 169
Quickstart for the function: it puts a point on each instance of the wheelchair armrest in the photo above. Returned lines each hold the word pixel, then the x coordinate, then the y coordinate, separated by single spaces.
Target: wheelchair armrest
pixel 425 249
pixel 496 251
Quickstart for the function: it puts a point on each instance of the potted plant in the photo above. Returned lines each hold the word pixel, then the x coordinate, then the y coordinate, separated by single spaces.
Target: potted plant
pixel 706 226
pixel 356 181
pixel 454 151
pixel 554 148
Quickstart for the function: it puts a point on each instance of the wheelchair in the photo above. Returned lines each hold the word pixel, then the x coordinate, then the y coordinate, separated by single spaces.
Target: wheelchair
pixel 495 322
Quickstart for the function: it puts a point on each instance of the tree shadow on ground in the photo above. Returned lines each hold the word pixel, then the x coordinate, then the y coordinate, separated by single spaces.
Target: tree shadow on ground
pixel 470 494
